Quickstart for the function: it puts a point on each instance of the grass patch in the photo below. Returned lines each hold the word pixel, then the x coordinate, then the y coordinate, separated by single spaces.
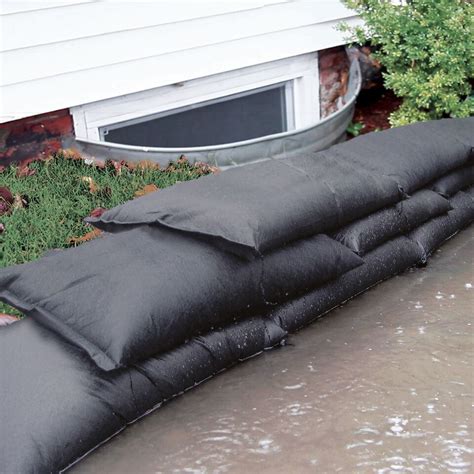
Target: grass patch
pixel 51 203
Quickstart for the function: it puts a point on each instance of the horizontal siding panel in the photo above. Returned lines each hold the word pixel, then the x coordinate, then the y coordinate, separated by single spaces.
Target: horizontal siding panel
pixel 9 7
pixel 66 90
pixel 92 52
pixel 75 21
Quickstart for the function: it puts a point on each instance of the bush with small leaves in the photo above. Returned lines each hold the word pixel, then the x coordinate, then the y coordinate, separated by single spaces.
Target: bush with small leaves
pixel 427 49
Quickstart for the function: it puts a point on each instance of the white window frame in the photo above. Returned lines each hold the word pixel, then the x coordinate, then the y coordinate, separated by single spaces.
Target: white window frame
pixel 289 108
pixel 300 75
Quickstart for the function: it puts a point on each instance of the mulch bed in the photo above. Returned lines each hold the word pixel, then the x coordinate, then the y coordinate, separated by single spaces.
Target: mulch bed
pixel 374 107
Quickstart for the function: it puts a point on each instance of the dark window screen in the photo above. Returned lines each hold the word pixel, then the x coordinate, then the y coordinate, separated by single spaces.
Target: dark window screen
pixel 241 118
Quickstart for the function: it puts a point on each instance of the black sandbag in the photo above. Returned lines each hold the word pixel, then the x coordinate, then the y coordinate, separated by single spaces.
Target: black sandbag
pixel 413 155
pixel 455 181
pixel 125 297
pixel 389 259
pixel 56 405
pixel 263 206
pixel 423 206
pixel 346 198
pixel 469 191
pixel 433 233
pixel 369 232
pixel 211 354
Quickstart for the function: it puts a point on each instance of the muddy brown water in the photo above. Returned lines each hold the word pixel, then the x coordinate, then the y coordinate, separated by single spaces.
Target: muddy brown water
pixel 383 384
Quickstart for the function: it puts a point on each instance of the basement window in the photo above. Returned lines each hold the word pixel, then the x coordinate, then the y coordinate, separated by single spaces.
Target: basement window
pixel 233 106
pixel 229 119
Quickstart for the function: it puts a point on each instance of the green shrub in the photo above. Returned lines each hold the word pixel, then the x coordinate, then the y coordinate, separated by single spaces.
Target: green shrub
pixel 427 49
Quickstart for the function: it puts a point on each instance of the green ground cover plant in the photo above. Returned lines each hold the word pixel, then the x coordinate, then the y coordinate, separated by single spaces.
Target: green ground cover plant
pixel 354 128
pixel 42 205
pixel 427 50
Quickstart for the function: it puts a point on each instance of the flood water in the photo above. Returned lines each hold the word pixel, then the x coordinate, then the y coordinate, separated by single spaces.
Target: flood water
pixel 383 384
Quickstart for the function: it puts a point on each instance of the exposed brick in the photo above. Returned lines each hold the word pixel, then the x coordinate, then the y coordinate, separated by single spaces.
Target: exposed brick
pixel 328 61
pixel 59 126
pixel 333 74
pixel 332 58
pixel 327 77
pixel 34 137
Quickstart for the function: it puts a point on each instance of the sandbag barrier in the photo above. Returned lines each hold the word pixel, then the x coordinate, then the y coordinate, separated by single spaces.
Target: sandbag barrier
pixel 205 274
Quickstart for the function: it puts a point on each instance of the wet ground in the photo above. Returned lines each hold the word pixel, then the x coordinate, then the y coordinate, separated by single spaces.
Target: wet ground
pixel 383 384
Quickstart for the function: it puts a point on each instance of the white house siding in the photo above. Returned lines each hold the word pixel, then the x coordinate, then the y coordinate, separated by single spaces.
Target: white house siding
pixel 55 55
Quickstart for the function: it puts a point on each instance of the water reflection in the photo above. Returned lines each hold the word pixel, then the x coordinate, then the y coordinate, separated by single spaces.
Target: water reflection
pixel 382 385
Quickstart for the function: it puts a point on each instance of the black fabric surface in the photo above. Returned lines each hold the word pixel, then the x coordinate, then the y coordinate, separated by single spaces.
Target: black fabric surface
pixel 387 260
pixel 125 297
pixel 172 372
pixel 455 181
pixel 260 207
pixel 413 155
pixel 56 405
pixel 432 234
pixel 369 232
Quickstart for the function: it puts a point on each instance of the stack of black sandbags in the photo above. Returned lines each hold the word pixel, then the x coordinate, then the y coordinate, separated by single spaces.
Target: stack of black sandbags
pixel 192 279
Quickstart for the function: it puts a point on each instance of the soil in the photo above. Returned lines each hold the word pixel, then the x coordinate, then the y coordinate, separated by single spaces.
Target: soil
pixel 374 107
